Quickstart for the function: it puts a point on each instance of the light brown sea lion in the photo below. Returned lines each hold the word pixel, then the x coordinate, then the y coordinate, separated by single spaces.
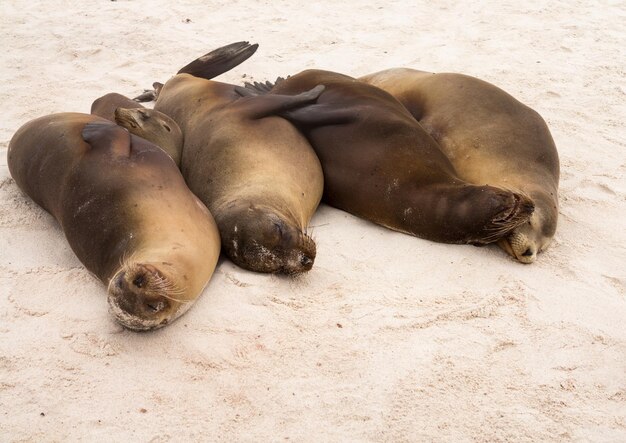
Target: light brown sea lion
pixel 106 105
pixel 379 164
pixel 125 210
pixel 256 173
pixel 155 127
pixel 152 125
pixel 490 138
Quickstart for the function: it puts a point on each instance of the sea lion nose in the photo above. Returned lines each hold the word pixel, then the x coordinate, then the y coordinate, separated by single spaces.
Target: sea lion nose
pixel 306 261
pixel 155 306
pixel 528 256
pixel 134 294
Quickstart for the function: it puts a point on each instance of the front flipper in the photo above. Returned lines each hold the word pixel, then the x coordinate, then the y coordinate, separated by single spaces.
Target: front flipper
pixel 259 106
pixel 262 87
pixel 322 114
pixel 107 136
pixel 220 60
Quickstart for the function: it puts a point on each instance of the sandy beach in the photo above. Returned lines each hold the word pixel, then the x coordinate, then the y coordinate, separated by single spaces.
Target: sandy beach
pixel 389 338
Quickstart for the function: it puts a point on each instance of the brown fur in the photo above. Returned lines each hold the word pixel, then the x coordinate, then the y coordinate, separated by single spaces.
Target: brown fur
pixel 490 138
pixel 255 172
pixel 125 210
pixel 380 164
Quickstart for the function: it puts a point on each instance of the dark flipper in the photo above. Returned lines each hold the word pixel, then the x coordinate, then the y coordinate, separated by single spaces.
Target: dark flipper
pixel 259 106
pixel 107 136
pixel 260 88
pixel 220 60
pixel 150 95
pixel 321 115
pixel 246 92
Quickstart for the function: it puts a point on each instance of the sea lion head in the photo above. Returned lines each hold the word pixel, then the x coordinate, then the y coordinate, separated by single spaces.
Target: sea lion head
pixel 260 240
pixel 528 239
pixel 153 126
pixel 142 297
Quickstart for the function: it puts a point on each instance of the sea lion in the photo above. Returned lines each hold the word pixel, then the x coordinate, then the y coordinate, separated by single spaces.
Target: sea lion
pixel 380 165
pixel 152 125
pixel 155 127
pixel 106 105
pixel 256 173
pixel 490 138
pixel 125 211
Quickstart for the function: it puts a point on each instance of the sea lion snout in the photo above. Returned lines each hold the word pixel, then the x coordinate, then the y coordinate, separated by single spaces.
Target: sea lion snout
pixel 525 241
pixel 306 262
pixel 301 258
pixel 519 246
pixel 262 241
pixel 138 298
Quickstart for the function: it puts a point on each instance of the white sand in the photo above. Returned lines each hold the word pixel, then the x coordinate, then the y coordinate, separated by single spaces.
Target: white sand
pixel 389 338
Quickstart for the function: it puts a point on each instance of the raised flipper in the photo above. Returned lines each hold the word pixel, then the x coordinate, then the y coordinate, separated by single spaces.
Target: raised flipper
pixel 259 106
pixel 220 60
pixel 107 136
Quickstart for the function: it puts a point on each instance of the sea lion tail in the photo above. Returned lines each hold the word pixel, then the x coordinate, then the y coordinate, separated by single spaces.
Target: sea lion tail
pixel 220 60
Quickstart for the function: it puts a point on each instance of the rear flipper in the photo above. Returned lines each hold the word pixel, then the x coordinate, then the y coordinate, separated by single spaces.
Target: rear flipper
pixel 259 106
pixel 150 95
pixel 220 60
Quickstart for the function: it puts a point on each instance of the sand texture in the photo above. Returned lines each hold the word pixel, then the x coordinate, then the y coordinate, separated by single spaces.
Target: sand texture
pixel 389 338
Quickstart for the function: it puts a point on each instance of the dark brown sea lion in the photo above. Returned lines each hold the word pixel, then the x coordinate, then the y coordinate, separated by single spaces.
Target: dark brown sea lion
pixel 379 164
pixel 490 138
pixel 256 173
pixel 125 210
pixel 152 125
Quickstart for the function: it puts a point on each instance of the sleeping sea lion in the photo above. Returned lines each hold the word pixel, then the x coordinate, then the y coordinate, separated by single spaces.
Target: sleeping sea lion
pixel 106 105
pixel 490 138
pixel 152 125
pixel 380 165
pixel 256 173
pixel 125 211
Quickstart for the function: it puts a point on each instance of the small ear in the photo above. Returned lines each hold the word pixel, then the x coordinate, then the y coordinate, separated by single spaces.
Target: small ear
pixel 107 136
